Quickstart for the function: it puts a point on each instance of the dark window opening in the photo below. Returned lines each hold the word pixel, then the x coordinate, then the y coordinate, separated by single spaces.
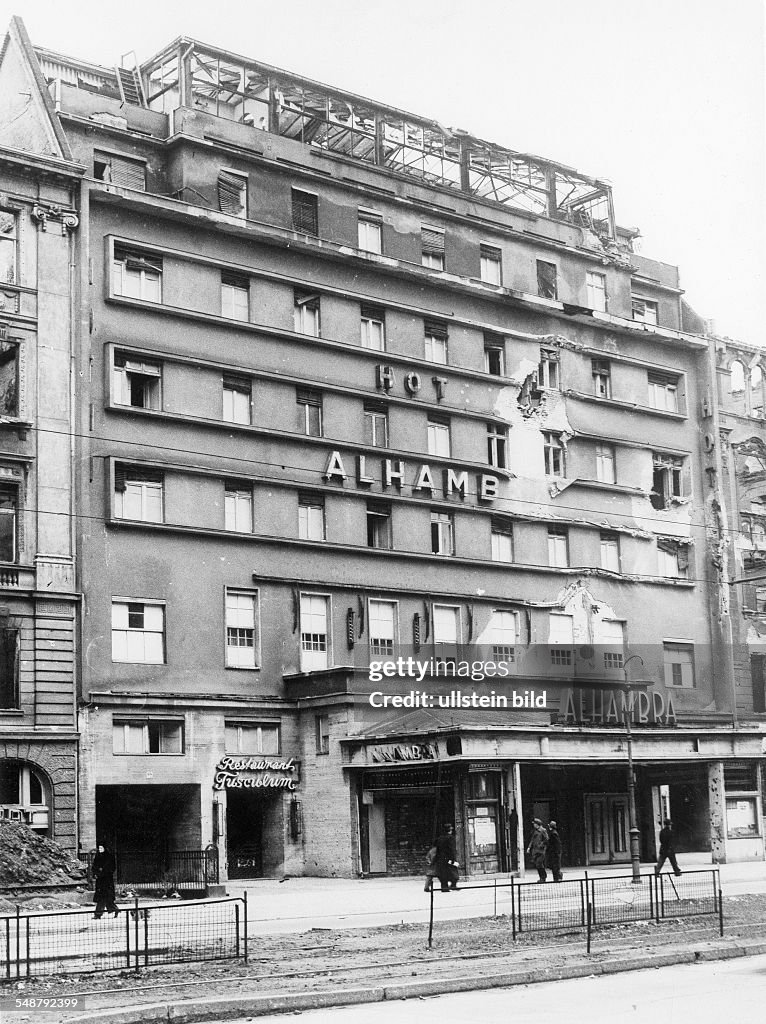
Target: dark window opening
pixel 305 212
pixel 9 671
pixel 546 280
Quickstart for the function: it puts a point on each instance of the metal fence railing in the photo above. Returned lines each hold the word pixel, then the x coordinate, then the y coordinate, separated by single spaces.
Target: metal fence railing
pixel 588 903
pixel 141 935
pixel 183 870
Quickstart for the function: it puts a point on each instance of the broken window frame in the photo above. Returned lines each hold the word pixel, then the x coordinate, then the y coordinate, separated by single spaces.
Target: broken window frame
pixel 442 533
pixel 306 313
pixel 554 454
pixel 549 369
pixel 601 369
pixel 9 246
pixel 137 275
pixel 673 557
pixel 494 355
pixel 491 265
pixel 667 479
pixel 231 192
pixel 117 169
pixel 644 311
pixel 137 382
pixel 547 279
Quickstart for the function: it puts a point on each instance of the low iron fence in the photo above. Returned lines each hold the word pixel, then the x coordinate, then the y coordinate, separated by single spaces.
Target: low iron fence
pixel 183 870
pixel 588 903
pixel 73 942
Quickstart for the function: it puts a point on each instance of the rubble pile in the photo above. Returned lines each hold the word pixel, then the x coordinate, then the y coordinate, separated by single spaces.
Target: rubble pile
pixel 27 858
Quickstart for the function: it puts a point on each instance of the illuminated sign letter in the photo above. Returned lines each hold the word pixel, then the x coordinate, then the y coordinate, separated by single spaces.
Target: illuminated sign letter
pixel 393 476
pixel 384 377
pixel 488 486
pixel 413 383
pixel 453 482
pixel 424 481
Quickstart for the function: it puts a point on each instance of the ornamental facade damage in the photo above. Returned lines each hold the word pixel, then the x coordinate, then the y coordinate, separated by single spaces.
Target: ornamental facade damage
pixel 352 388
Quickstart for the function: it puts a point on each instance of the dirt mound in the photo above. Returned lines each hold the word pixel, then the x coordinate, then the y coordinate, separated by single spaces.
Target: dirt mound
pixel 27 858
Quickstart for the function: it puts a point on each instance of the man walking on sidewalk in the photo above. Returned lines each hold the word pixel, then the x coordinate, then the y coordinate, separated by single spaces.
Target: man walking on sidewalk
pixel 554 851
pixel 667 849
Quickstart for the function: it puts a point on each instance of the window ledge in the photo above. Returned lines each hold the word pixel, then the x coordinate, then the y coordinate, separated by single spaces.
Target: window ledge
pixel 600 485
pixel 620 404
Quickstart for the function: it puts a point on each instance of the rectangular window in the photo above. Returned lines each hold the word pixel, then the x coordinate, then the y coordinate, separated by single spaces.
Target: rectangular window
pixel 596 288
pixel 315 634
pixel 232 194
pixel 379 533
pixel 553 453
pixel 9 516
pixel 503 635
pixel 305 212
pixel 382 628
pixel 666 479
pixel 644 310
pixel 442 533
pixel 432 241
pixel 741 818
pixel 672 558
pixel 679 664
pixel 322 725
pixel 137 382
pixel 152 736
pixel 138 632
pixel 373 329
pixel 311 517
pixel 610 552
pixel 138 494
pixel 663 392
pixel 238 507
pixel 502 539
pixel 9 378
pixel 491 265
pixel 605 463
pixel 9 668
pixel 306 313
pixel 602 378
pixel 612 636
pixel 560 638
pixel 8 247
pixel 119 170
pixel 548 370
pixel 546 280
pixel 235 297
pixel 438 437
pixel 497 446
pixel 237 400
pixel 309 412
pixel 370 232
pixel 446 631
pixel 137 275
pixel 558 548
pixel 251 738
pixel 436 343
pixel 494 355
pixel 375 425
pixel 241 629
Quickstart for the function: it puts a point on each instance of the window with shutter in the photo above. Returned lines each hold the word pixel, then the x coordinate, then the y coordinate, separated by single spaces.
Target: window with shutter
pixel 305 212
pixel 232 194
pixel 432 243
pixel 119 170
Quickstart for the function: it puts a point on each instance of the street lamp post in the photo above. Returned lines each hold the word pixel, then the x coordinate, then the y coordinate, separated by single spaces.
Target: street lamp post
pixel 635 833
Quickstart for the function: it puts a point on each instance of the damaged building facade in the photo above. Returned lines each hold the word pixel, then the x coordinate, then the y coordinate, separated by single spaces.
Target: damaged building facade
pixel 354 387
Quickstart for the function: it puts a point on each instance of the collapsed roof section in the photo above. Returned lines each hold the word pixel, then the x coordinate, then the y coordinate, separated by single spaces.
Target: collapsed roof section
pixel 190 74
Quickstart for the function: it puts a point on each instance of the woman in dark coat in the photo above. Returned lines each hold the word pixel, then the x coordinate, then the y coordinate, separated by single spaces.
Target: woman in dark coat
pixel 103 872
pixel 445 864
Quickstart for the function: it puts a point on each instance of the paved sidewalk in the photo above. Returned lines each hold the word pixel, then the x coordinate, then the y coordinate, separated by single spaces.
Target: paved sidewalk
pixel 298 904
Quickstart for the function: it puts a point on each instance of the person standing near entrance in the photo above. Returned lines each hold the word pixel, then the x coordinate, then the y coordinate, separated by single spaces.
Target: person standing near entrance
pixel 554 851
pixel 445 863
pixel 103 872
pixel 538 847
pixel 667 849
